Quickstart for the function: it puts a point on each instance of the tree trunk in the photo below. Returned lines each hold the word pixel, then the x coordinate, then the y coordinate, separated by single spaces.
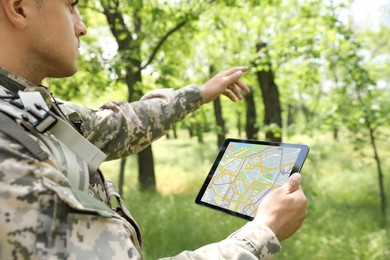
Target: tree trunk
pixel 239 124
pixel 371 130
pixel 174 129
pixel 251 128
pixel 190 131
pixel 146 173
pixel 121 181
pixel 382 196
pixel 270 93
pixel 335 131
pixel 199 132
pixel 221 130
pixel 290 115
pixel 146 176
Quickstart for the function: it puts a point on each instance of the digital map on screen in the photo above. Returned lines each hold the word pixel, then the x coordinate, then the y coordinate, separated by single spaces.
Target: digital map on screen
pixel 248 172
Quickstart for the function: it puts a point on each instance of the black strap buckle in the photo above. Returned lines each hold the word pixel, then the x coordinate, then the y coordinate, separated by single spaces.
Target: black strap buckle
pixel 44 121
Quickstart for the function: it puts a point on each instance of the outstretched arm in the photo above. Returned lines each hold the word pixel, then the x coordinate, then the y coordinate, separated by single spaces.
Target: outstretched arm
pixel 120 128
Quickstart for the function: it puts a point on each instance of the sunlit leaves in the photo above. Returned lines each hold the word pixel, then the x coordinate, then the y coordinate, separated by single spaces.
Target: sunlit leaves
pixel 318 61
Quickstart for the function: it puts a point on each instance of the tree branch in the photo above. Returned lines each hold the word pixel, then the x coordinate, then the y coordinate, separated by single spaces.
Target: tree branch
pixel 162 40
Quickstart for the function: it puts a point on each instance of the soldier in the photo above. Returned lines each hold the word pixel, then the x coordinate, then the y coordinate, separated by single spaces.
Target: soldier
pixel 55 203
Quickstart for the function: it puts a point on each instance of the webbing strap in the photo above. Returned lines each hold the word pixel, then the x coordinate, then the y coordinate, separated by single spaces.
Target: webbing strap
pixel 39 117
pixel 63 131
pixel 12 129
pixel 78 144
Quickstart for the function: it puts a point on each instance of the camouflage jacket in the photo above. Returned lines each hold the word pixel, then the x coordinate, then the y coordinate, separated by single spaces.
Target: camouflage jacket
pixel 58 208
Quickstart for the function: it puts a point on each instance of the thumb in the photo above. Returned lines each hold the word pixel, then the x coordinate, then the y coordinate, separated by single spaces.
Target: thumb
pixel 293 182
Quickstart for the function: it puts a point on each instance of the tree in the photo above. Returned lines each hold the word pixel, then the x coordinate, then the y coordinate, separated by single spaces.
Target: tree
pixel 251 126
pixel 131 24
pixel 364 113
pixel 270 94
pixel 221 130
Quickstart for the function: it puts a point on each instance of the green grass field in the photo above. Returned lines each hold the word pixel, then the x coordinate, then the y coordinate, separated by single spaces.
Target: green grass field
pixel 341 184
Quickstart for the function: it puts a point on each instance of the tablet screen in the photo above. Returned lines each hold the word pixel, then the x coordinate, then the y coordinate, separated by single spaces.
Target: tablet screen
pixel 247 170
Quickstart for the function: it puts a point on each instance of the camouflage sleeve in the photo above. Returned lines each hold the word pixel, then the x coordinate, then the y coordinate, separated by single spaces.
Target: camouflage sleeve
pixel 252 241
pixel 42 217
pixel 121 128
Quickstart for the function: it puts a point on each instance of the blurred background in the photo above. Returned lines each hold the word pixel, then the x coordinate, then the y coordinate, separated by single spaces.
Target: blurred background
pixel 319 75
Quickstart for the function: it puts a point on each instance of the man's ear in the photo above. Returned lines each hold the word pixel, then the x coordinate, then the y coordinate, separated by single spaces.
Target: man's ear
pixel 15 12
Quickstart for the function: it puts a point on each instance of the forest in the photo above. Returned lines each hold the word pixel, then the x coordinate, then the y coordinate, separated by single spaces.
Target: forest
pixel 318 75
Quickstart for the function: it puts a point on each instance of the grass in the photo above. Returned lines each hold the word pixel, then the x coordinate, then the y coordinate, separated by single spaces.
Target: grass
pixel 344 219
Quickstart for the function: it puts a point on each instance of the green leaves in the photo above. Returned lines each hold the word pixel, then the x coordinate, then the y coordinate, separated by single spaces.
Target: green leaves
pixel 319 62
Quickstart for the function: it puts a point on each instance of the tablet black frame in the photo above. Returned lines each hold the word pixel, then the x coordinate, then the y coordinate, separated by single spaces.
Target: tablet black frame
pixel 296 168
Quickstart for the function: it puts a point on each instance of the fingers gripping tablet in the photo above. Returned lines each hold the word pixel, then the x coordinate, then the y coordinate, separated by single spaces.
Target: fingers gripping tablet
pixel 247 170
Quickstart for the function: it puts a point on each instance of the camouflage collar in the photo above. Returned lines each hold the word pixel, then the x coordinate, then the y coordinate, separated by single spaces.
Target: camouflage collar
pixel 15 83
pixel 12 81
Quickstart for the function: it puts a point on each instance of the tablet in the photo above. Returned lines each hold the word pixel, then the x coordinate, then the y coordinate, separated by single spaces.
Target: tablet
pixel 247 170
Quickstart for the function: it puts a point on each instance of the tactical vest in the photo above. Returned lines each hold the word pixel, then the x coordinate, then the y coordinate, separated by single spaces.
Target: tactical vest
pixel 77 156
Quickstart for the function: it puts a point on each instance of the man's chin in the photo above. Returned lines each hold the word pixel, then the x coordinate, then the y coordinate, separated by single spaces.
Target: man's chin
pixel 64 73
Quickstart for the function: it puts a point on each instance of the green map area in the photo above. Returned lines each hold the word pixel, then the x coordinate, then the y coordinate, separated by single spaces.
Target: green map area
pixel 248 172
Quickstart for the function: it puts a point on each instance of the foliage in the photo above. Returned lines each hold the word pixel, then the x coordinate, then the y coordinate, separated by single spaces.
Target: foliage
pixel 306 41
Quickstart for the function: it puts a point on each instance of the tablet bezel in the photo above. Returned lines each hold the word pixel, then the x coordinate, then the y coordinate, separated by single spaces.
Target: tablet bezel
pixel 296 168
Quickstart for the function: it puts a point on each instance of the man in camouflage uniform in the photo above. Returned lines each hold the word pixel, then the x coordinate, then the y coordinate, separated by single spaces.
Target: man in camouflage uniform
pixel 54 202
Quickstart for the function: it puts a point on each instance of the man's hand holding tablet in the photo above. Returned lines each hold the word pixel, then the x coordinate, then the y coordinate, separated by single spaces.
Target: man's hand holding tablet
pixel 284 209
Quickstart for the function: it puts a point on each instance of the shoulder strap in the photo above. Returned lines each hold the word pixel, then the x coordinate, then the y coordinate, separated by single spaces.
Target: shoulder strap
pixel 33 109
pixel 12 129
pixel 62 130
